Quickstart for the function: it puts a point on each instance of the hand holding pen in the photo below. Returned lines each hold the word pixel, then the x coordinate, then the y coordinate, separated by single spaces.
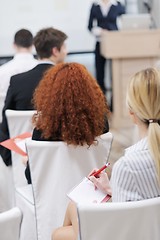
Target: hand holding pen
pixel 101 180
pixel 95 173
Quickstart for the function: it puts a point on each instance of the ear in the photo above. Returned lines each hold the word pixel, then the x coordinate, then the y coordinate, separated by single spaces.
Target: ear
pixel 55 51
pixel 14 46
pixel 133 116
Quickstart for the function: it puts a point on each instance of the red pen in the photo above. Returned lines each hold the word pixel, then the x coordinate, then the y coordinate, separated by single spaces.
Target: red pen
pixel 101 169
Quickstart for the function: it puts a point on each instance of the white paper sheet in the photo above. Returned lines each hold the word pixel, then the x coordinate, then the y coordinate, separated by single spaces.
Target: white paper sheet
pixel 85 192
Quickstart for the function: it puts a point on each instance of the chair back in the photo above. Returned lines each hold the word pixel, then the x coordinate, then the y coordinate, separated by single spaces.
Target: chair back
pixel 19 122
pixel 126 221
pixel 10 222
pixel 56 168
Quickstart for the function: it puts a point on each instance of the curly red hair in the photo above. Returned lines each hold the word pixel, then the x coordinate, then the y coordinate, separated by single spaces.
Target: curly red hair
pixel 70 105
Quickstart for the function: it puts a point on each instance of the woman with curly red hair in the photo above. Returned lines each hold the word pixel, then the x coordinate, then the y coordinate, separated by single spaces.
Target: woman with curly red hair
pixel 70 106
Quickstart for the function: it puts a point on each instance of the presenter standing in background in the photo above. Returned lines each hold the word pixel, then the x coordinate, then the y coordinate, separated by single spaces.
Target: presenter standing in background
pixel 103 15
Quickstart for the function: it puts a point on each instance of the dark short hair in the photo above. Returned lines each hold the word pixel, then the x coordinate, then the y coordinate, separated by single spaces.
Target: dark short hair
pixel 48 38
pixel 23 38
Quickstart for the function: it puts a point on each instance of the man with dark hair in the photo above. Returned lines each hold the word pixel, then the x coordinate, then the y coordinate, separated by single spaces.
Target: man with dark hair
pixel 49 43
pixel 23 59
pixel 23 38
pixel 51 49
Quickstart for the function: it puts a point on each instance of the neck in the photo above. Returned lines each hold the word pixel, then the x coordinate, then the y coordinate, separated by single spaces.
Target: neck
pixel 105 1
pixel 50 59
pixel 143 129
pixel 23 50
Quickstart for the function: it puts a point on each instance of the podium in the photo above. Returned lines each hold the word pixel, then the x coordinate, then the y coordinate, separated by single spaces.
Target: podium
pixel 130 51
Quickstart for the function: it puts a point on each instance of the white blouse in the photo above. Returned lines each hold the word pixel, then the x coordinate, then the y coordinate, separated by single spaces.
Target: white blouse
pixel 134 175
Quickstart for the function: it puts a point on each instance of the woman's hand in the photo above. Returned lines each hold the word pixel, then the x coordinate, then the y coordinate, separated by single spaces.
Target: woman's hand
pixel 92 172
pixel 101 182
pixel 97 31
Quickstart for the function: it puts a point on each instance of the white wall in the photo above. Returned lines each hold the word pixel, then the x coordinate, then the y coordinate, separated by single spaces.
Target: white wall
pixel 155 10
pixel 70 16
pixel 131 6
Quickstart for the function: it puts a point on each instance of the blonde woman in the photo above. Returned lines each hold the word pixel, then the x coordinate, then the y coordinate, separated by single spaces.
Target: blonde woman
pixel 136 175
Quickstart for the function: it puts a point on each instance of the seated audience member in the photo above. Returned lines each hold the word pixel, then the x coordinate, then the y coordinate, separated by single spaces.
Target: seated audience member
pixel 70 107
pixel 23 59
pixel 136 175
pixel 51 49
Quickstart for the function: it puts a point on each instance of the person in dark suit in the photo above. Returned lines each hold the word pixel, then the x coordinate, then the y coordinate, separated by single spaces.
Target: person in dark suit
pixel 103 15
pixel 51 49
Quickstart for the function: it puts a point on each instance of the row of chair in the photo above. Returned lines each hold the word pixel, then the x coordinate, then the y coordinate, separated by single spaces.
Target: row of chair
pixel 55 169
pixel 131 220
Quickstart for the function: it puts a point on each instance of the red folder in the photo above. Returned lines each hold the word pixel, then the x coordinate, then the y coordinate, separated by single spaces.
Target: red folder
pixel 11 143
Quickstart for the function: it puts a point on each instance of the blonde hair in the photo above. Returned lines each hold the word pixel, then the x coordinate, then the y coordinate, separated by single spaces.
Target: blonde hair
pixel 143 98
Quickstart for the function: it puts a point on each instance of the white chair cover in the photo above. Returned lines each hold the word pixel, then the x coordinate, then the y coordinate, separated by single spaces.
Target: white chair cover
pixel 24 200
pixel 7 200
pixel 10 222
pixel 19 122
pixel 55 168
pixel 126 221
pixel 13 176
